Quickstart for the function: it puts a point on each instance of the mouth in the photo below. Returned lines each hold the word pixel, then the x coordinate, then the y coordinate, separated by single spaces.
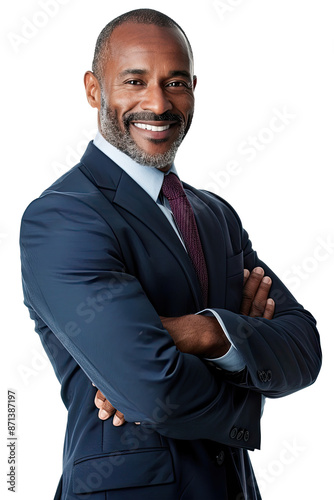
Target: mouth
pixel 155 130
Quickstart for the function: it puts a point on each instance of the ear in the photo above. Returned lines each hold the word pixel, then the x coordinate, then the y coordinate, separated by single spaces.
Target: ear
pixel 93 90
pixel 194 82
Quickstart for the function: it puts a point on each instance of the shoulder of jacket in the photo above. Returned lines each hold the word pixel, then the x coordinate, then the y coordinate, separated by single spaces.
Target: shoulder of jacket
pixel 70 191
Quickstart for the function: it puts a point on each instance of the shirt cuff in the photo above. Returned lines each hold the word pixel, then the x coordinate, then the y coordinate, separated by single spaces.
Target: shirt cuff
pixel 232 361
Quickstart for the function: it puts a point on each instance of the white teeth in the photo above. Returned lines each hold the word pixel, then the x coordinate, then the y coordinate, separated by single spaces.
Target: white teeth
pixel 153 128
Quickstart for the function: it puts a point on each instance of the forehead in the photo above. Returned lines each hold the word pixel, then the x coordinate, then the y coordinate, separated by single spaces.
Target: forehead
pixel 131 44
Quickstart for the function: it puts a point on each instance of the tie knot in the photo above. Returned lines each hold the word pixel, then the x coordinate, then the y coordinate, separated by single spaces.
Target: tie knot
pixel 172 187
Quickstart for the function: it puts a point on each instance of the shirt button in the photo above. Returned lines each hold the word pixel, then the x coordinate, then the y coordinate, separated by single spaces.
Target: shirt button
pixel 220 458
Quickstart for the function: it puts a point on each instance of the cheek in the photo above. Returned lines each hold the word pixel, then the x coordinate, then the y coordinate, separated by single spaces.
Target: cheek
pixel 123 102
pixel 185 105
pixel 120 107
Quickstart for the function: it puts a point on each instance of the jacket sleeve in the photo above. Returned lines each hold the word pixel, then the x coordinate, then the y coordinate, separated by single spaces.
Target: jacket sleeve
pixel 282 355
pixel 74 279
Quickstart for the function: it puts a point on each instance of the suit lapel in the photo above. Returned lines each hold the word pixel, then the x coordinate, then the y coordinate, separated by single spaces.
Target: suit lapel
pixel 141 205
pixel 121 190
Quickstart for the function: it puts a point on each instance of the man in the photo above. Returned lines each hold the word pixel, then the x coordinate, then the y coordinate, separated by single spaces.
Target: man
pixel 135 283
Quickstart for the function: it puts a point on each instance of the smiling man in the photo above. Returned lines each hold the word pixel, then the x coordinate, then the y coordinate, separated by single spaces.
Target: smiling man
pixel 143 84
pixel 150 289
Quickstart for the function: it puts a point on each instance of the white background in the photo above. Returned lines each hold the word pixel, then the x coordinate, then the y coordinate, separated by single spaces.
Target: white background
pixel 254 59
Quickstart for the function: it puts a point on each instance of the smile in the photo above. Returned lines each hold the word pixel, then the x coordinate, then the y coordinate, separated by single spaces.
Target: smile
pixel 153 128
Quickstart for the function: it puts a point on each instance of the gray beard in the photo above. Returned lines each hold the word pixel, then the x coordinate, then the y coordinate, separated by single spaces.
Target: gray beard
pixel 123 141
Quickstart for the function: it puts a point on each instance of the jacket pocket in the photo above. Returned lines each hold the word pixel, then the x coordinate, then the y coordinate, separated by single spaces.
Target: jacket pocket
pixel 115 470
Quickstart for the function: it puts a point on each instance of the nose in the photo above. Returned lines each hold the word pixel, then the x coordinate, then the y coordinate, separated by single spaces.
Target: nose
pixel 156 100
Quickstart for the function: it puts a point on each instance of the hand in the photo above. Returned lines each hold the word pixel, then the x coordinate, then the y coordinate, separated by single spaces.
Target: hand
pixel 107 410
pixel 255 302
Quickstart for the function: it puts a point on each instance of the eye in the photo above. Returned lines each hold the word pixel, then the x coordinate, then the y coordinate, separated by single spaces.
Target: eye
pixel 178 84
pixel 134 82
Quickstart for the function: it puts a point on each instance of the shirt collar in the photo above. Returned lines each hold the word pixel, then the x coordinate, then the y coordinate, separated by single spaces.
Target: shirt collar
pixel 149 178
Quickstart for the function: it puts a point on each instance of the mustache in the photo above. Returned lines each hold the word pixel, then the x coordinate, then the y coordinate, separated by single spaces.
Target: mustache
pixel 151 117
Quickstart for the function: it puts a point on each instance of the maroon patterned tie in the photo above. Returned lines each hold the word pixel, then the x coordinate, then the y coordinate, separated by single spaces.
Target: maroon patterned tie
pixel 185 220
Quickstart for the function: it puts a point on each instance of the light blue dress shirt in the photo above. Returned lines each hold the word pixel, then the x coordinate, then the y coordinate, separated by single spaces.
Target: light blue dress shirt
pixel 150 180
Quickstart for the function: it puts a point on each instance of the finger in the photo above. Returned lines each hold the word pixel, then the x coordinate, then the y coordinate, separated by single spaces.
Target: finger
pixel 105 407
pixel 99 399
pixel 269 309
pixel 260 300
pixel 108 407
pixel 250 289
pixel 246 275
pixel 118 419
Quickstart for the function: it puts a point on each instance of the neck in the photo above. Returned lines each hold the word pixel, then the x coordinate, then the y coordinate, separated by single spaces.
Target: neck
pixel 165 169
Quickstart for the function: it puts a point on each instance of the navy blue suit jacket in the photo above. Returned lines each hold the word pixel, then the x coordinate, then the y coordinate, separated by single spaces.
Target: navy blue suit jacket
pixel 100 263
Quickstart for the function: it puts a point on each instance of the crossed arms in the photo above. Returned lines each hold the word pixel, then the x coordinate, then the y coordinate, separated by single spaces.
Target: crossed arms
pixel 201 335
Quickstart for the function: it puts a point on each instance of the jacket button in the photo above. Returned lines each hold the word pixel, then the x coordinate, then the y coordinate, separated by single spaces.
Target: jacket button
pixel 233 433
pixel 240 434
pixel 220 458
pixel 264 376
pixel 246 436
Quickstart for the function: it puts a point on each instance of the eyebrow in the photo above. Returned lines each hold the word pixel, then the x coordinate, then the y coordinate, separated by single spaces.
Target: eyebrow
pixel 137 71
pixel 133 71
pixel 180 73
